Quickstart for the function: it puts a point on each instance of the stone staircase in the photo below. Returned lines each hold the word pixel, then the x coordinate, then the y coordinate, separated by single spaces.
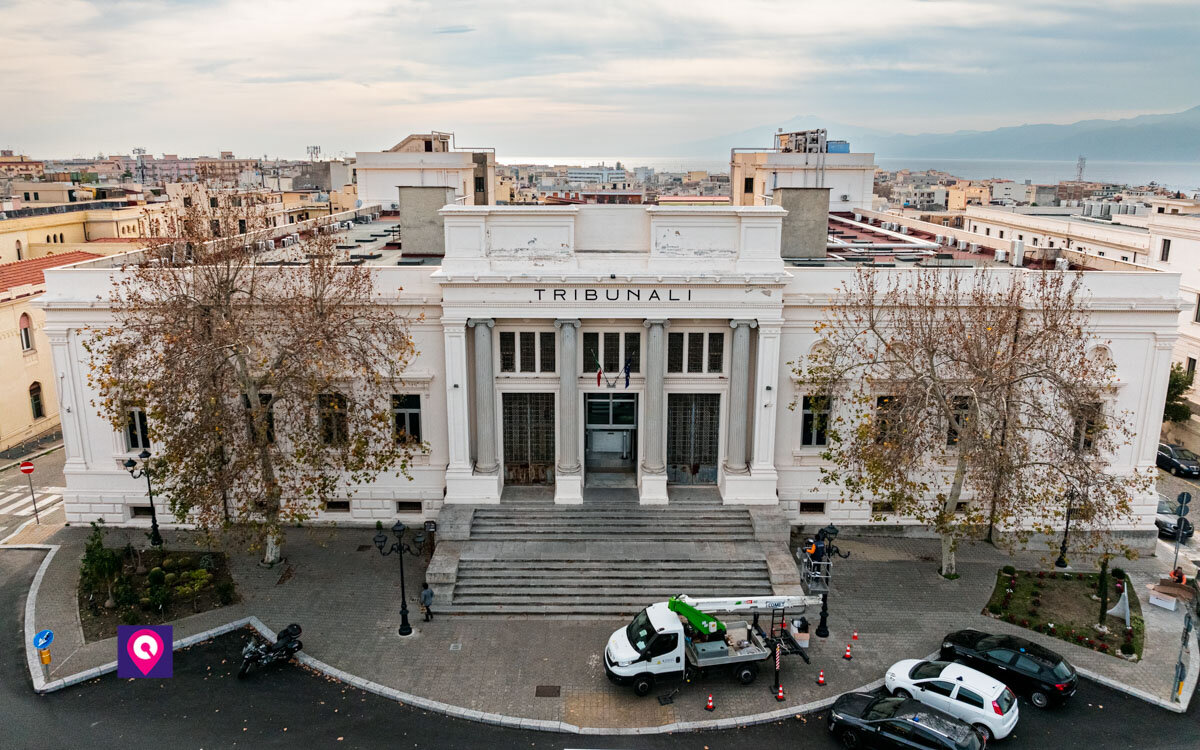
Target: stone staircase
pixel 614 522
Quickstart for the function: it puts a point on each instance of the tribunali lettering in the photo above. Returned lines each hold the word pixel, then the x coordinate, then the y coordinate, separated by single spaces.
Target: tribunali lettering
pixel 614 295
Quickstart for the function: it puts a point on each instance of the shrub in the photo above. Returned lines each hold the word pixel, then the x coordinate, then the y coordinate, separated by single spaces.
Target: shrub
pixel 1118 573
pixel 168 563
pixel 131 617
pixel 145 602
pixel 1103 647
pixel 1041 574
pixel 1024 623
pixel 1037 602
pixel 208 563
pixel 155 577
pixel 124 594
pixel 160 598
pixel 995 609
pixel 1127 648
pixel 170 579
pixel 1009 570
pixel 1011 618
pixel 184 562
pixel 225 592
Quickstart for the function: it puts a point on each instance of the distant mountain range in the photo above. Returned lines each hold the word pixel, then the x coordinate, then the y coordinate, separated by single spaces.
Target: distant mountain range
pixel 1171 137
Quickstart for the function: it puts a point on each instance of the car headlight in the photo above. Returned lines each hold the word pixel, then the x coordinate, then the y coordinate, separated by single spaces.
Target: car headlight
pixel 835 716
pixel 947 644
pixel 624 663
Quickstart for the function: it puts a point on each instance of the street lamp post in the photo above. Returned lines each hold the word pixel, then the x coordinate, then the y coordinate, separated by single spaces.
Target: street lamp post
pixel 827 536
pixel 400 547
pixel 136 473
pixel 1061 562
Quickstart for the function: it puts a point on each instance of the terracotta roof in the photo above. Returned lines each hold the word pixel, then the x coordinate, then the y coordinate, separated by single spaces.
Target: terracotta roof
pixel 31 271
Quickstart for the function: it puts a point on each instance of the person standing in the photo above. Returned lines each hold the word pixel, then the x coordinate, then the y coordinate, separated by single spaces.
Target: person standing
pixel 427 601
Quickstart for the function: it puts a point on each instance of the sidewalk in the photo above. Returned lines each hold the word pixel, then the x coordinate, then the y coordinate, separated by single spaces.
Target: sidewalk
pixel 346 597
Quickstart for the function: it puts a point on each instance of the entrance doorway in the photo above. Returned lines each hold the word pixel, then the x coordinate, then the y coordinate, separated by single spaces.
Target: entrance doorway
pixel 610 440
pixel 692 430
pixel 528 438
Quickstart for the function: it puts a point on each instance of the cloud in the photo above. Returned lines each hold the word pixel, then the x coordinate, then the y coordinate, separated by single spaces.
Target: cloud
pixel 272 76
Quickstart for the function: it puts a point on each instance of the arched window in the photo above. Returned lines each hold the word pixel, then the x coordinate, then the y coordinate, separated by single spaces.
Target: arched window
pixel 60 237
pixel 47 239
pixel 35 400
pixel 19 256
pixel 26 333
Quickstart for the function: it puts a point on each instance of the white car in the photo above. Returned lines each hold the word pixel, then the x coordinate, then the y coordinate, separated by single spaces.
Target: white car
pixel 983 702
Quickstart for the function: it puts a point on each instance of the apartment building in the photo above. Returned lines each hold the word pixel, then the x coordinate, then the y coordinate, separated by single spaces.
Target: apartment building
pixel 802 159
pixel 427 160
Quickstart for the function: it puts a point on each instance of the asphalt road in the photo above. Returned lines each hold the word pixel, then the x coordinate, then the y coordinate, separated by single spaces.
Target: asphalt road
pixel 205 706
pixel 16 505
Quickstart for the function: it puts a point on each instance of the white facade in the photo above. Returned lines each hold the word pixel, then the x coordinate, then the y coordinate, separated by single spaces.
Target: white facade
pixel 699 297
pixel 596 174
pixel 379 173
pixel 754 176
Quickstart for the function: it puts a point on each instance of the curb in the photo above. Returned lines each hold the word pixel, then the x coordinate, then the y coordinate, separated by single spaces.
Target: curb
pixel 42 687
pixel 30 457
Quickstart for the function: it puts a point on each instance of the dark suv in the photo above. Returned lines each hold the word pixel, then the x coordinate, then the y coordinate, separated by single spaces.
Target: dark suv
pixel 866 720
pixel 1168 521
pixel 1029 669
pixel 1178 460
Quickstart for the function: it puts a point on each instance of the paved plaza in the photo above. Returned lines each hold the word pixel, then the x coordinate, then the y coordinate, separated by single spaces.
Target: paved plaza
pixel 346 596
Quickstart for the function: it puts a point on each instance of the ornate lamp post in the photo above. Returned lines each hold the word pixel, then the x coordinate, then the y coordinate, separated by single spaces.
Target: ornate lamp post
pixel 144 471
pixel 400 547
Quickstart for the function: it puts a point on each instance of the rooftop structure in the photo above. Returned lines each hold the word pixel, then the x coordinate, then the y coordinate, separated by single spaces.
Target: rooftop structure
pixel 802 160
pixel 426 160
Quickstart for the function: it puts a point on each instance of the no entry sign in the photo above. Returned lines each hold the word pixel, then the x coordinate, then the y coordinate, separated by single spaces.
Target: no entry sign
pixel 26 467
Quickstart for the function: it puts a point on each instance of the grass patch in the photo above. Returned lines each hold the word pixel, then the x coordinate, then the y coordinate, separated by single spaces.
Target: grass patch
pixel 1061 605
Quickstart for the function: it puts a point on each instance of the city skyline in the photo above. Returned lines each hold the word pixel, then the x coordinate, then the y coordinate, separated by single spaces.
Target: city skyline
pixel 271 78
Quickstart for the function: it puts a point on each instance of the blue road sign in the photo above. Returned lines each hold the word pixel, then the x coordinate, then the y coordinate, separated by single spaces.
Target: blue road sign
pixel 1184 498
pixel 43 639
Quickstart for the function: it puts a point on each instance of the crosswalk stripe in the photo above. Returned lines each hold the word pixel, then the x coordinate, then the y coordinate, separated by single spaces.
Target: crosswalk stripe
pixel 44 504
pixel 13 496
pixel 27 503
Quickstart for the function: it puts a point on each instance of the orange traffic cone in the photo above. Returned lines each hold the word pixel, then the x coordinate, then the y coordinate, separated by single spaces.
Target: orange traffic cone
pixel 779 694
pixel 855 636
pixel 821 677
pixel 847 655
pixel 709 706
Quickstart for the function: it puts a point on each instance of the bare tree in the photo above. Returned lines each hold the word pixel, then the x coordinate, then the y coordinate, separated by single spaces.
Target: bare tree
pixel 266 374
pixel 971 401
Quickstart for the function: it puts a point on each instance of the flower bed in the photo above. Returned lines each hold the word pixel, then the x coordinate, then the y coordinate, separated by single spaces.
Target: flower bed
pixel 1061 605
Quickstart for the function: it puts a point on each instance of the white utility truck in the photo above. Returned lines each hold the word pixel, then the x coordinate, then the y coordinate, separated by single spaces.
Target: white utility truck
pixel 679 639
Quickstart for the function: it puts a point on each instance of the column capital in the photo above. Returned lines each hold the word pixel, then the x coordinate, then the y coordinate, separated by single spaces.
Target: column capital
pixel 472 322
pixel 573 322
pixel 656 322
pixel 743 322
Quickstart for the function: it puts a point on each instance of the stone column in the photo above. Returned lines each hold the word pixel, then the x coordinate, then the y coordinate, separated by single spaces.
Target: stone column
pixel 568 479
pixel 457 410
pixel 739 388
pixel 485 398
pixel 653 482
pixel 766 398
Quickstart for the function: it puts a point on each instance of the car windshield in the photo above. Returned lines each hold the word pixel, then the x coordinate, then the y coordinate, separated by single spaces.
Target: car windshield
pixel 1167 506
pixel 927 670
pixel 970 742
pixel 1062 670
pixel 640 631
pixel 1183 454
pixel 1006 700
pixel 884 708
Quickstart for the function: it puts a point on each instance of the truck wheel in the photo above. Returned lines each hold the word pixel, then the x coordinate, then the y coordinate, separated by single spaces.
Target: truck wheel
pixel 746 673
pixel 642 685
pixel 690 674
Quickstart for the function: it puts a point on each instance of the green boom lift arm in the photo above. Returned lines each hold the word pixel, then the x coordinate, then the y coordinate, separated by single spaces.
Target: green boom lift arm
pixel 701 621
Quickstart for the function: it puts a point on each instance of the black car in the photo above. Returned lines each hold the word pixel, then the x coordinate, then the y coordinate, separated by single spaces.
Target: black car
pixel 1169 524
pixel 1029 669
pixel 1178 460
pixel 867 720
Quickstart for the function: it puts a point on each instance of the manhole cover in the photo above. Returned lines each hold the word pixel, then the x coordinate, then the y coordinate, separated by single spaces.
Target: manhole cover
pixel 286 576
pixel 364 547
pixel 547 691
pixel 456 647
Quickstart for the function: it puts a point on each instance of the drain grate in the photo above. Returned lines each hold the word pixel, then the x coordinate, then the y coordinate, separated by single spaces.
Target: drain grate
pixel 364 547
pixel 547 691
pixel 456 647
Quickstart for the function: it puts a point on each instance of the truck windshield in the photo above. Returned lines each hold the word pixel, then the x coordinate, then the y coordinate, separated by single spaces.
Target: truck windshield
pixel 640 631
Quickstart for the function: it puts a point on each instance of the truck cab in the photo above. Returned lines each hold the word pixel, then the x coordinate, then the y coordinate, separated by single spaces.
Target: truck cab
pixel 647 650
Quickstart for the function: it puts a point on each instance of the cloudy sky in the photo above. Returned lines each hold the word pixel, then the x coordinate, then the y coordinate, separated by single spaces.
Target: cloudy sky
pixel 269 77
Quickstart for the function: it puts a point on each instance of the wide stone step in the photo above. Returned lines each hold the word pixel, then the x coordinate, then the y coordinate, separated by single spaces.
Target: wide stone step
pixel 568 568
pixel 565 536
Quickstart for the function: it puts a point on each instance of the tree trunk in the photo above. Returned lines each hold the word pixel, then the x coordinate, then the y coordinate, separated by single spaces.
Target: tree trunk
pixel 949 565
pixel 273 552
pixel 110 602
pixel 1103 590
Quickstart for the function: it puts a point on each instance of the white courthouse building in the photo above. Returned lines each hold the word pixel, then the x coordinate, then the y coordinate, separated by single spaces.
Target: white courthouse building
pixel 639 347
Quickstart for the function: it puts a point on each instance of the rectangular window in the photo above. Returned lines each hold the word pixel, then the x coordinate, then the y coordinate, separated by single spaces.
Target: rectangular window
pixel 1088 424
pixel 812 507
pixel 546 359
pixel 337 506
pixel 35 401
pixel 241 226
pixel 406 417
pixel 633 351
pixel 137 431
pixel 675 350
pixel 612 352
pixel 961 406
pixel 1021 237
pixel 335 427
pixel 479 184
pixel 140 511
pixel 1191 365
pixel 26 339
pixel 716 352
pixel 695 352
pixel 879 509
pixel 1165 254
pixel 987 232
pixel 886 409
pixel 591 351
pixel 1001 234
pixel 508 351
pixel 408 506
pixel 528 351
pixel 748 186
pixel 187 202
pixel 215 225
pixel 264 399
pixel 1196 314
pixel 814 420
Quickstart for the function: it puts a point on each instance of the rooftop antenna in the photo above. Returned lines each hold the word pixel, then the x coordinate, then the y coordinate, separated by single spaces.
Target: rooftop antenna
pixel 140 153
pixel 1079 165
pixel 314 153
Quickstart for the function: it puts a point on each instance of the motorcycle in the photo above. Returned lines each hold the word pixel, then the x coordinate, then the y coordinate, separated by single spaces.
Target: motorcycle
pixel 259 653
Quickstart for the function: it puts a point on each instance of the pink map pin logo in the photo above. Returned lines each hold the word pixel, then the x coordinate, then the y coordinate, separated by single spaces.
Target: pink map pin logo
pixel 145 648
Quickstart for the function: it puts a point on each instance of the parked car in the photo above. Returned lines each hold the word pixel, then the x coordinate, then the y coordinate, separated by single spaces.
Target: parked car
pixel 1029 669
pixel 981 701
pixel 1168 520
pixel 866 720
pixel 1178 460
